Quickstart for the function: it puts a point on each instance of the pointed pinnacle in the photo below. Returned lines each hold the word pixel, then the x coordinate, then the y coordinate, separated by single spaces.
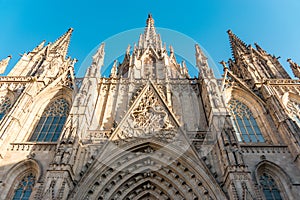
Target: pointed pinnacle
pixel 150 20
pixel 64 37
pixel 98 60
pixel 295 68
pixel 4 63
pixel 128 49
pixel 113 71
pixel 39 47
pixel 237 45
pixel 223 63
pixel 260 49
pixel 99 54
pixel 199 52
pixel 62 43
pixel 292 63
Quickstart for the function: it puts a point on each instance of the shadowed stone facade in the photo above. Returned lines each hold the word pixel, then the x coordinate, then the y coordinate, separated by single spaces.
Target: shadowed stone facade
pixel 149 130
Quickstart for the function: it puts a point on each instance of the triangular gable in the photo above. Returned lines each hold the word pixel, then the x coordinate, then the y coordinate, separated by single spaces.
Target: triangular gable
pixel 149 116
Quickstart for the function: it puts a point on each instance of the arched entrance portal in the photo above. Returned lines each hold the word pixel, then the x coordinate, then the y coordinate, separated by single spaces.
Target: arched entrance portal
pixel 148 170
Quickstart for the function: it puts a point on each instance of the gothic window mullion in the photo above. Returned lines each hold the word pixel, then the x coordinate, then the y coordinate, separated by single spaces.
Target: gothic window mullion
pixel 57 128
pixel 49 134
pixel 252 133
pixel 54 127
pixel 51 123
pixel 294 110
pixel 269 187
pixel 244 122
pixel 246 133
pixel 24 188
pixel 239 134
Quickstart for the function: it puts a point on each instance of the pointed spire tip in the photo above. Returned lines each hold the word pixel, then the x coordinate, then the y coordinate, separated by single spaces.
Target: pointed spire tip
pixel 150 20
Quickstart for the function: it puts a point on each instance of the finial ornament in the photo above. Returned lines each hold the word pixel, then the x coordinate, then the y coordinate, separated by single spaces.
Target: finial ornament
pixel 4 63
pixel 295 68
pixel 61 45
pixel 113 72
pixel 223 63
pixel 128 50
pixel 150 37
pixel 150 20
pixel 99 54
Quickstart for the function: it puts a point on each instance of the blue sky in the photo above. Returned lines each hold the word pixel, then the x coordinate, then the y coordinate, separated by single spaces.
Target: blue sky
pixel 274 24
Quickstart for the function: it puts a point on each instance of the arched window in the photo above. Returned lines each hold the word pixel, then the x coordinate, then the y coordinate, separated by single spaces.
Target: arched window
pixel 52 121
pixel 244 123
pixel 5 105
pixel 269 187
pixel 24 189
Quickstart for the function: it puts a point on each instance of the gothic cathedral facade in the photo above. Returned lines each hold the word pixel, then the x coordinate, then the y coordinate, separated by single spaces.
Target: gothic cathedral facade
pixel 149 130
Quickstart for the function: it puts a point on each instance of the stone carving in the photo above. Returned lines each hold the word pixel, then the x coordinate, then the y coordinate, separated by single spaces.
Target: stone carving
pixel 148 118
pixel 293 108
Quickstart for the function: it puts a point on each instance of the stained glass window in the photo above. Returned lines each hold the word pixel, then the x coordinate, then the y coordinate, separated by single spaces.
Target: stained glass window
pixel 269 187
pixel 5 105
pixel 52 121
pixel 244 123
pixel 24 189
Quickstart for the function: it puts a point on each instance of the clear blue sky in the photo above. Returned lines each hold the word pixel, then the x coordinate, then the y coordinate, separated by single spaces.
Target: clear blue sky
pixel 274 24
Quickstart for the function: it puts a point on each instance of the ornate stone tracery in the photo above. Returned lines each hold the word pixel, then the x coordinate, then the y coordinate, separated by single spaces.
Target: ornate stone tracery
pixel 51 122
pixel 148 118
pixel 244 122
pixel 294 110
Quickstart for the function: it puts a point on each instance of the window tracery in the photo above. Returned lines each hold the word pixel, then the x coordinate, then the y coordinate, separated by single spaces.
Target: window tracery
pixel 52 121
pixel 269 187
pixel 24 188
pixel 294 109
pixel 5 105
pixel 244 123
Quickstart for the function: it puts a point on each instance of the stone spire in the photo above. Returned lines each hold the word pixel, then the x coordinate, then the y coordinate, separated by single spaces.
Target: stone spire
pixel 44 60
pixel 253 65
pixel 4 63
pixel 149 59
pixel 238 47
pixel 61 45
pixel 295 68
pixel 150 38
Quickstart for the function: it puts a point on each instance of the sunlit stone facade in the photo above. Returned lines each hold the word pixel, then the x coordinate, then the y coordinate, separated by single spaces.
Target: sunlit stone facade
pixel 149 130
